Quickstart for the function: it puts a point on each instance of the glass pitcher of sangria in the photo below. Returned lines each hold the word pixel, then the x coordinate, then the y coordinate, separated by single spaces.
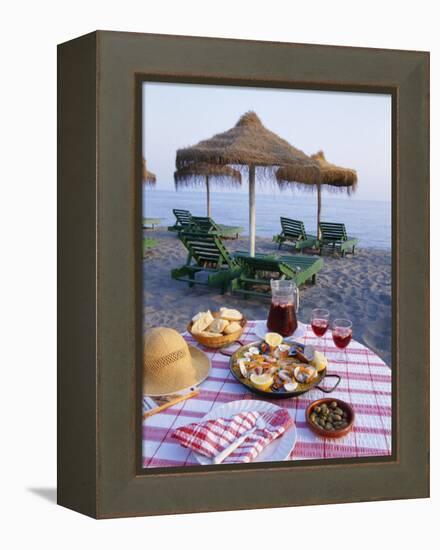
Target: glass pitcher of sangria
pixel 284 307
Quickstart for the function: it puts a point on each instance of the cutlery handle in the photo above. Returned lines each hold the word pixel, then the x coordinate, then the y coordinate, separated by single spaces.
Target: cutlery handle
pixel 218 459
pixel 170 403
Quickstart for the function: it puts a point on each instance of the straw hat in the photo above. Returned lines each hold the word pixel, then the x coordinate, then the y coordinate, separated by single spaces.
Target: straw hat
pixel 170 364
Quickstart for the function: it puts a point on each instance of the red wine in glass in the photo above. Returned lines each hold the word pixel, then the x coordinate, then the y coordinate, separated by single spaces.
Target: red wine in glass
pixel 319 326
pixel 342 333
pixel 319 321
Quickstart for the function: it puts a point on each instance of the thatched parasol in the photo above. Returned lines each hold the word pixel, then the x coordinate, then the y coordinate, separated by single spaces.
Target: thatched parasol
pixel 250 144
pixel 338 178
pixel 203 173
pixel 147 176
pixel 336 175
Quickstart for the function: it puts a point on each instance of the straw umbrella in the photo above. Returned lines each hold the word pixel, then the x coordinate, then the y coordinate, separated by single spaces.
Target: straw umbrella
pixel 147 176
pixel 336 177
pixel 250 144
pixel 203 173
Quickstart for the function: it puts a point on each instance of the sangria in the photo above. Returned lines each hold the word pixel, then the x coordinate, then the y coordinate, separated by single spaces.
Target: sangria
pixel 342 333
pixel 320 321
pixel 284 307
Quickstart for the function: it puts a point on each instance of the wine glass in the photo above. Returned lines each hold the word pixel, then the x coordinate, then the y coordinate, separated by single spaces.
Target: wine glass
pixel 342 331
pixel 320 321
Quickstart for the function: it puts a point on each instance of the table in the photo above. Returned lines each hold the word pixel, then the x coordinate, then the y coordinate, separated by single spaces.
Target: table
pixel 365 384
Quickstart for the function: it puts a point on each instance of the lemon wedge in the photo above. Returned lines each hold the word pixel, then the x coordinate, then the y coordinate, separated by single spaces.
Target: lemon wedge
pixel 261 381
pixel 273 339
pixel 320 361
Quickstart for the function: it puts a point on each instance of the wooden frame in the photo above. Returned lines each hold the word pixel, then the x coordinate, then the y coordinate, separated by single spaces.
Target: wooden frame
pixel 99 273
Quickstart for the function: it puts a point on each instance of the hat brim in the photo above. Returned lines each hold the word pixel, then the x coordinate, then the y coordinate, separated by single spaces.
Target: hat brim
pixel 202 365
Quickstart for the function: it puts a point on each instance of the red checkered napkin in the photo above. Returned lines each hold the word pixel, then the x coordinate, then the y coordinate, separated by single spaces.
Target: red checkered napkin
pixel 213 436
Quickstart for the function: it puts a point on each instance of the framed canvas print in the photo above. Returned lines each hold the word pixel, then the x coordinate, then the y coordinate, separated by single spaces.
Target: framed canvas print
pixel 243 274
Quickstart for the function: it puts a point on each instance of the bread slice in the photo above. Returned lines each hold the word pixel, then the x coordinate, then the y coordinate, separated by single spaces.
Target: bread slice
pixel 207 333
pixel 198 316
pixel 230 314
pixel 232 327
pixel 218 326
pixel 202 323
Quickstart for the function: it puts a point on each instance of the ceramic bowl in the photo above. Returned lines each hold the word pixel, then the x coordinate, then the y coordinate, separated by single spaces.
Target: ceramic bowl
pixel 334 433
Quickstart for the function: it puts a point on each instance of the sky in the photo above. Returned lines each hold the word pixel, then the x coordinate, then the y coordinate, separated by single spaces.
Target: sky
pixel 353 129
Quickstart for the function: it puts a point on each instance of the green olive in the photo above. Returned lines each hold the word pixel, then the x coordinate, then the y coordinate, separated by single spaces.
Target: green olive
pixel 329 426
pixel 317 409
pixel 339 411
pixel 333 405
pixel 337 417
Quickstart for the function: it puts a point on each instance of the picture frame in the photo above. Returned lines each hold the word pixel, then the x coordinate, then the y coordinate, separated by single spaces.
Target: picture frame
pixel 99 279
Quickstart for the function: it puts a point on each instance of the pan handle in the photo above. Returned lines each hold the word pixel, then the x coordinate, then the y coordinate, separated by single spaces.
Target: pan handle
pixel 230 353
pixel 326 390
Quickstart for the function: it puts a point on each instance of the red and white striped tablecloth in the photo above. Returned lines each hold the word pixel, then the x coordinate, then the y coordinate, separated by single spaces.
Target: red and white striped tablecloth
pixel 365 384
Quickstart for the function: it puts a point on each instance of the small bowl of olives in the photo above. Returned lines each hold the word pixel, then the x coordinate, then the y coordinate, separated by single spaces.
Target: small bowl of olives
pixel 330 417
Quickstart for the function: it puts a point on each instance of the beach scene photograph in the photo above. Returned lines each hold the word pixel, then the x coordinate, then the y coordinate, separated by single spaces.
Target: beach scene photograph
pixel 266 275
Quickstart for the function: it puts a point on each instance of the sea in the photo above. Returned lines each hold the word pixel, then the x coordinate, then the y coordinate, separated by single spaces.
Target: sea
pixel 369 221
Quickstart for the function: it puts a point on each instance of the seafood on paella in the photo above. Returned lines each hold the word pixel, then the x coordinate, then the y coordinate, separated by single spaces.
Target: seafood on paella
pixel 274 365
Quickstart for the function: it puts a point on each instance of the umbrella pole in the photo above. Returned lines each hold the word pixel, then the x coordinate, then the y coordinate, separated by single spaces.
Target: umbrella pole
pixel 208 199
pixel 319 210
pixel 252 210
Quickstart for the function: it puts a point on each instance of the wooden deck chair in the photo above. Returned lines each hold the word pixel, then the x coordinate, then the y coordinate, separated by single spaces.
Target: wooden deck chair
pixel 257 272
pixel 183 220
pixel 334 235
pixel 293 231
pixel 210 226
pixel 208 263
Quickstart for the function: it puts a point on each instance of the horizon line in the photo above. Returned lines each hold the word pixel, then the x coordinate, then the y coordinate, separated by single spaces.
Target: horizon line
pixel 284 194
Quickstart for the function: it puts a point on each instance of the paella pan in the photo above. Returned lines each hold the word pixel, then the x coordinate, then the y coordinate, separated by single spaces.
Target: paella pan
pixel 281 371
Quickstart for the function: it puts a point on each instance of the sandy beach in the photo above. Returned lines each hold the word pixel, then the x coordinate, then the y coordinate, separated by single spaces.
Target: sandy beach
pixel 357 287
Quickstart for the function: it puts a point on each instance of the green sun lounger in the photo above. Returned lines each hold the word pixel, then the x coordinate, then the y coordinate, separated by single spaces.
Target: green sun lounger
pixel 334 235
pixel 223 231
pixel 183 219
pixel 293 231
pixel 257 271
pixel 207 257
pixel 246 275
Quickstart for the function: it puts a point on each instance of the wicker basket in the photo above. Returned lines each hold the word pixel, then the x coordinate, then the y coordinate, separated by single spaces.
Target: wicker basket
pixel 218 341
